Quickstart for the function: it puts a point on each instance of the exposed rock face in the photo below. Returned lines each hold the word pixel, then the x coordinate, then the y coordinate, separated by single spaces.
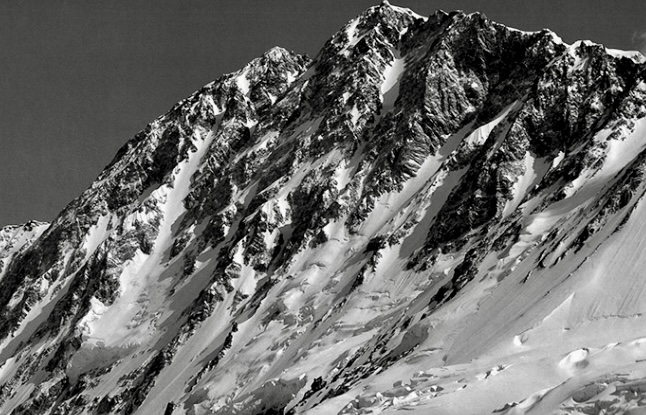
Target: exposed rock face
pixel 365 231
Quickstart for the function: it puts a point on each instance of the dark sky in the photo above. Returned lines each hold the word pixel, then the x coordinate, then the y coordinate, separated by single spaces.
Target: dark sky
pixel 78 78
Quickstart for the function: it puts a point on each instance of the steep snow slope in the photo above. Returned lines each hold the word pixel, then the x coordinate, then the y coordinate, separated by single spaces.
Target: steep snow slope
pixel 434 215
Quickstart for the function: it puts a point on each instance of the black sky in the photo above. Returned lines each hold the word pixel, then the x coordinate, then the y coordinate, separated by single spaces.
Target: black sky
pixel 78 79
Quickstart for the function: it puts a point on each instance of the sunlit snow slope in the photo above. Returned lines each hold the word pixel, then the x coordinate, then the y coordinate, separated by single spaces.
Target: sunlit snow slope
pixel 434 215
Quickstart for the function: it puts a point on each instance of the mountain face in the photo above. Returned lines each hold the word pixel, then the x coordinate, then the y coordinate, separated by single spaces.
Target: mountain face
pixel 435 215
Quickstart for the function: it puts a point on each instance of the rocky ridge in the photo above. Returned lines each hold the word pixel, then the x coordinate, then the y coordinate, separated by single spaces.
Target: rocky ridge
pixel 370 230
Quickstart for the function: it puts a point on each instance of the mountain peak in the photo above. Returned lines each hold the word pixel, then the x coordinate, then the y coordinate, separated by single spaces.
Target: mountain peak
pixel 386 14
pixel 278 53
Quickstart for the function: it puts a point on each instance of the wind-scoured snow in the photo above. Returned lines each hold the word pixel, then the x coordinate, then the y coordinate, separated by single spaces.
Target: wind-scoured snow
pixel 351 32
pixel 390 87
pixel 122 323
pixel 617 154
pixel 633 55
pixel 354 114
pixel 243 83
pixel 407 11
pixel 535 169
pixel 14 239
pixel 481 134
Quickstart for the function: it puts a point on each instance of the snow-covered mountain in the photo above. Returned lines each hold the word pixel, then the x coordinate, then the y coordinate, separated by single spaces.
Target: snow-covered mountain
pixel 435 215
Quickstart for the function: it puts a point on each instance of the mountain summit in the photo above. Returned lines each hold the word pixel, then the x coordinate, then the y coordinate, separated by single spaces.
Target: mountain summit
pixel 435 215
